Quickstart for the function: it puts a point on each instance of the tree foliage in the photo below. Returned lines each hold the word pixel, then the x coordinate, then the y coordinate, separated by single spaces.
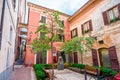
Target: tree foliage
pixel 48 32
pixel 80 44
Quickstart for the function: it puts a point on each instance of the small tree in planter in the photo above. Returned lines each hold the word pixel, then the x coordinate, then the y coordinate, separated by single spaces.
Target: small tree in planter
pixel 49 31
pixel 80 44
pixel 40 45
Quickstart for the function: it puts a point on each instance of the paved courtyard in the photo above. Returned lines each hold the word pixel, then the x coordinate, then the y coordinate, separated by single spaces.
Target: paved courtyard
pixel 27 73
pixel 69 75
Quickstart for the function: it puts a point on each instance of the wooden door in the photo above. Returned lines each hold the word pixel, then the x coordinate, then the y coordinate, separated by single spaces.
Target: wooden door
pixel 75 57
pixel 70 58
pixel 113 59
pixel 39 58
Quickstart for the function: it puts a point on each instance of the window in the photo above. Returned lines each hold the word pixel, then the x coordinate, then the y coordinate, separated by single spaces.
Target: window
pixel 14 3
pixel 0 37
pixel 2 12
pixel 42 34
pixel 62 22
pixel 61 37
pixel 8 58
pixel 86 27
pixel 10 35
pixel 112 15
pixel 74 33
pixel 43 19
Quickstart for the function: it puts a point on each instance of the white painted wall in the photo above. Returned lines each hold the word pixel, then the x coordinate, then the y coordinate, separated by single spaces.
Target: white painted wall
pixel 10 21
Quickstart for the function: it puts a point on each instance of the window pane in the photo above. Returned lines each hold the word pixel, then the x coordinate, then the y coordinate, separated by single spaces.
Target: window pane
pixel 116 13
pixel 86 26
pixel 8 58
pixel 10 34
pixel 43 19
pixel 111 15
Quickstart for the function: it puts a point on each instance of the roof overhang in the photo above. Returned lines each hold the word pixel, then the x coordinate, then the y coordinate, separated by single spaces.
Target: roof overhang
pixel 81 9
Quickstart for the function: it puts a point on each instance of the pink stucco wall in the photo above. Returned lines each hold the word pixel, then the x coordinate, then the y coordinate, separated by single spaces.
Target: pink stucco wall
pixel 33 23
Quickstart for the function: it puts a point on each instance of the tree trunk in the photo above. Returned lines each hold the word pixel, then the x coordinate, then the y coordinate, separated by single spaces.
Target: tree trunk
pixel 52 61
pixel 81 58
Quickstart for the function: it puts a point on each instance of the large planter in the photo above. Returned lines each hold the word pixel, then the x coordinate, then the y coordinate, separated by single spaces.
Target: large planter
pixel 76 69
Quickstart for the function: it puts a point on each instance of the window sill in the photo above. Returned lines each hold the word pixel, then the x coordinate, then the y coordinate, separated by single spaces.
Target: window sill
pixel 114 20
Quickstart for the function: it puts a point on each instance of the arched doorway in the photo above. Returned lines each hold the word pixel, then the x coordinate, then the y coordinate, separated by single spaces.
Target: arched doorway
pixel 104 57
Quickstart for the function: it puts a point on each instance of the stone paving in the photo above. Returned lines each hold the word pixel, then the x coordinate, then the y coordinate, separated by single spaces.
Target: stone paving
pixel 22 73
pixel 27 73
pixel 69 75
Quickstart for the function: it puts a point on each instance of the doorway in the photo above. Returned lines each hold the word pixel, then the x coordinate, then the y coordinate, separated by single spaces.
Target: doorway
pixel 104 58
pixel 61 53
pixel 75 57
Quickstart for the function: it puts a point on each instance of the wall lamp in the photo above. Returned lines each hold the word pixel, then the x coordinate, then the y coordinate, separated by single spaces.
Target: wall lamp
pixel 30 35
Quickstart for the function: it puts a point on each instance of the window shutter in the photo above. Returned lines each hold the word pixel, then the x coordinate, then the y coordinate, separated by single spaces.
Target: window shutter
pixel 70 58
pixel 113 58
pixel 105 18
pixel 82 28
pixel 94 57
pixel 62 22
pixel 90 25
pixel 76 32
pixel 119 9
pixel 71 34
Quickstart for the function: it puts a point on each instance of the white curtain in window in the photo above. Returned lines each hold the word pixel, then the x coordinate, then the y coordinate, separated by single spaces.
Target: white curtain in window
pixel 116 13
pixel 111 16
pixel 86 26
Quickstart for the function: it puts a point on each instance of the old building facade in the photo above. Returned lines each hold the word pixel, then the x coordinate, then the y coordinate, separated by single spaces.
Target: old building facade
pixel 97 18
pixel 35 14
pixel 9 14
pixel 101 20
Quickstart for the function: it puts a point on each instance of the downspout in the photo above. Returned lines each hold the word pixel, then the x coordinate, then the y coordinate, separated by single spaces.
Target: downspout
pixel 2 21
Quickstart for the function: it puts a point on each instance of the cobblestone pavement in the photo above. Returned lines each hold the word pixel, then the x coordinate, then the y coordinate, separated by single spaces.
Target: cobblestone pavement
pixel 68 75
pixel 21 73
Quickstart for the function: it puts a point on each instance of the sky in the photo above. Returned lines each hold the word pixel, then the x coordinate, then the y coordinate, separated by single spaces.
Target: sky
pixel 65 6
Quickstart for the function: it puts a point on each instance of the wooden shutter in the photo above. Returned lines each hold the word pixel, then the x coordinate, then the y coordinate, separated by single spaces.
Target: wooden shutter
pixel 62 22
pixel 71 34
pixel 39 58
pixel 70 58
pixel 82 28
pixel 119 9
pixel 113 58
pixel 94 57
pixel 90 25
pixel 76 32
pixel 105 18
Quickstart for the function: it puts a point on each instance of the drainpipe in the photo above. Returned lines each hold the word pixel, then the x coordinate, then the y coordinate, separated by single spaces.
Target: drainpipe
pixel 2 21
